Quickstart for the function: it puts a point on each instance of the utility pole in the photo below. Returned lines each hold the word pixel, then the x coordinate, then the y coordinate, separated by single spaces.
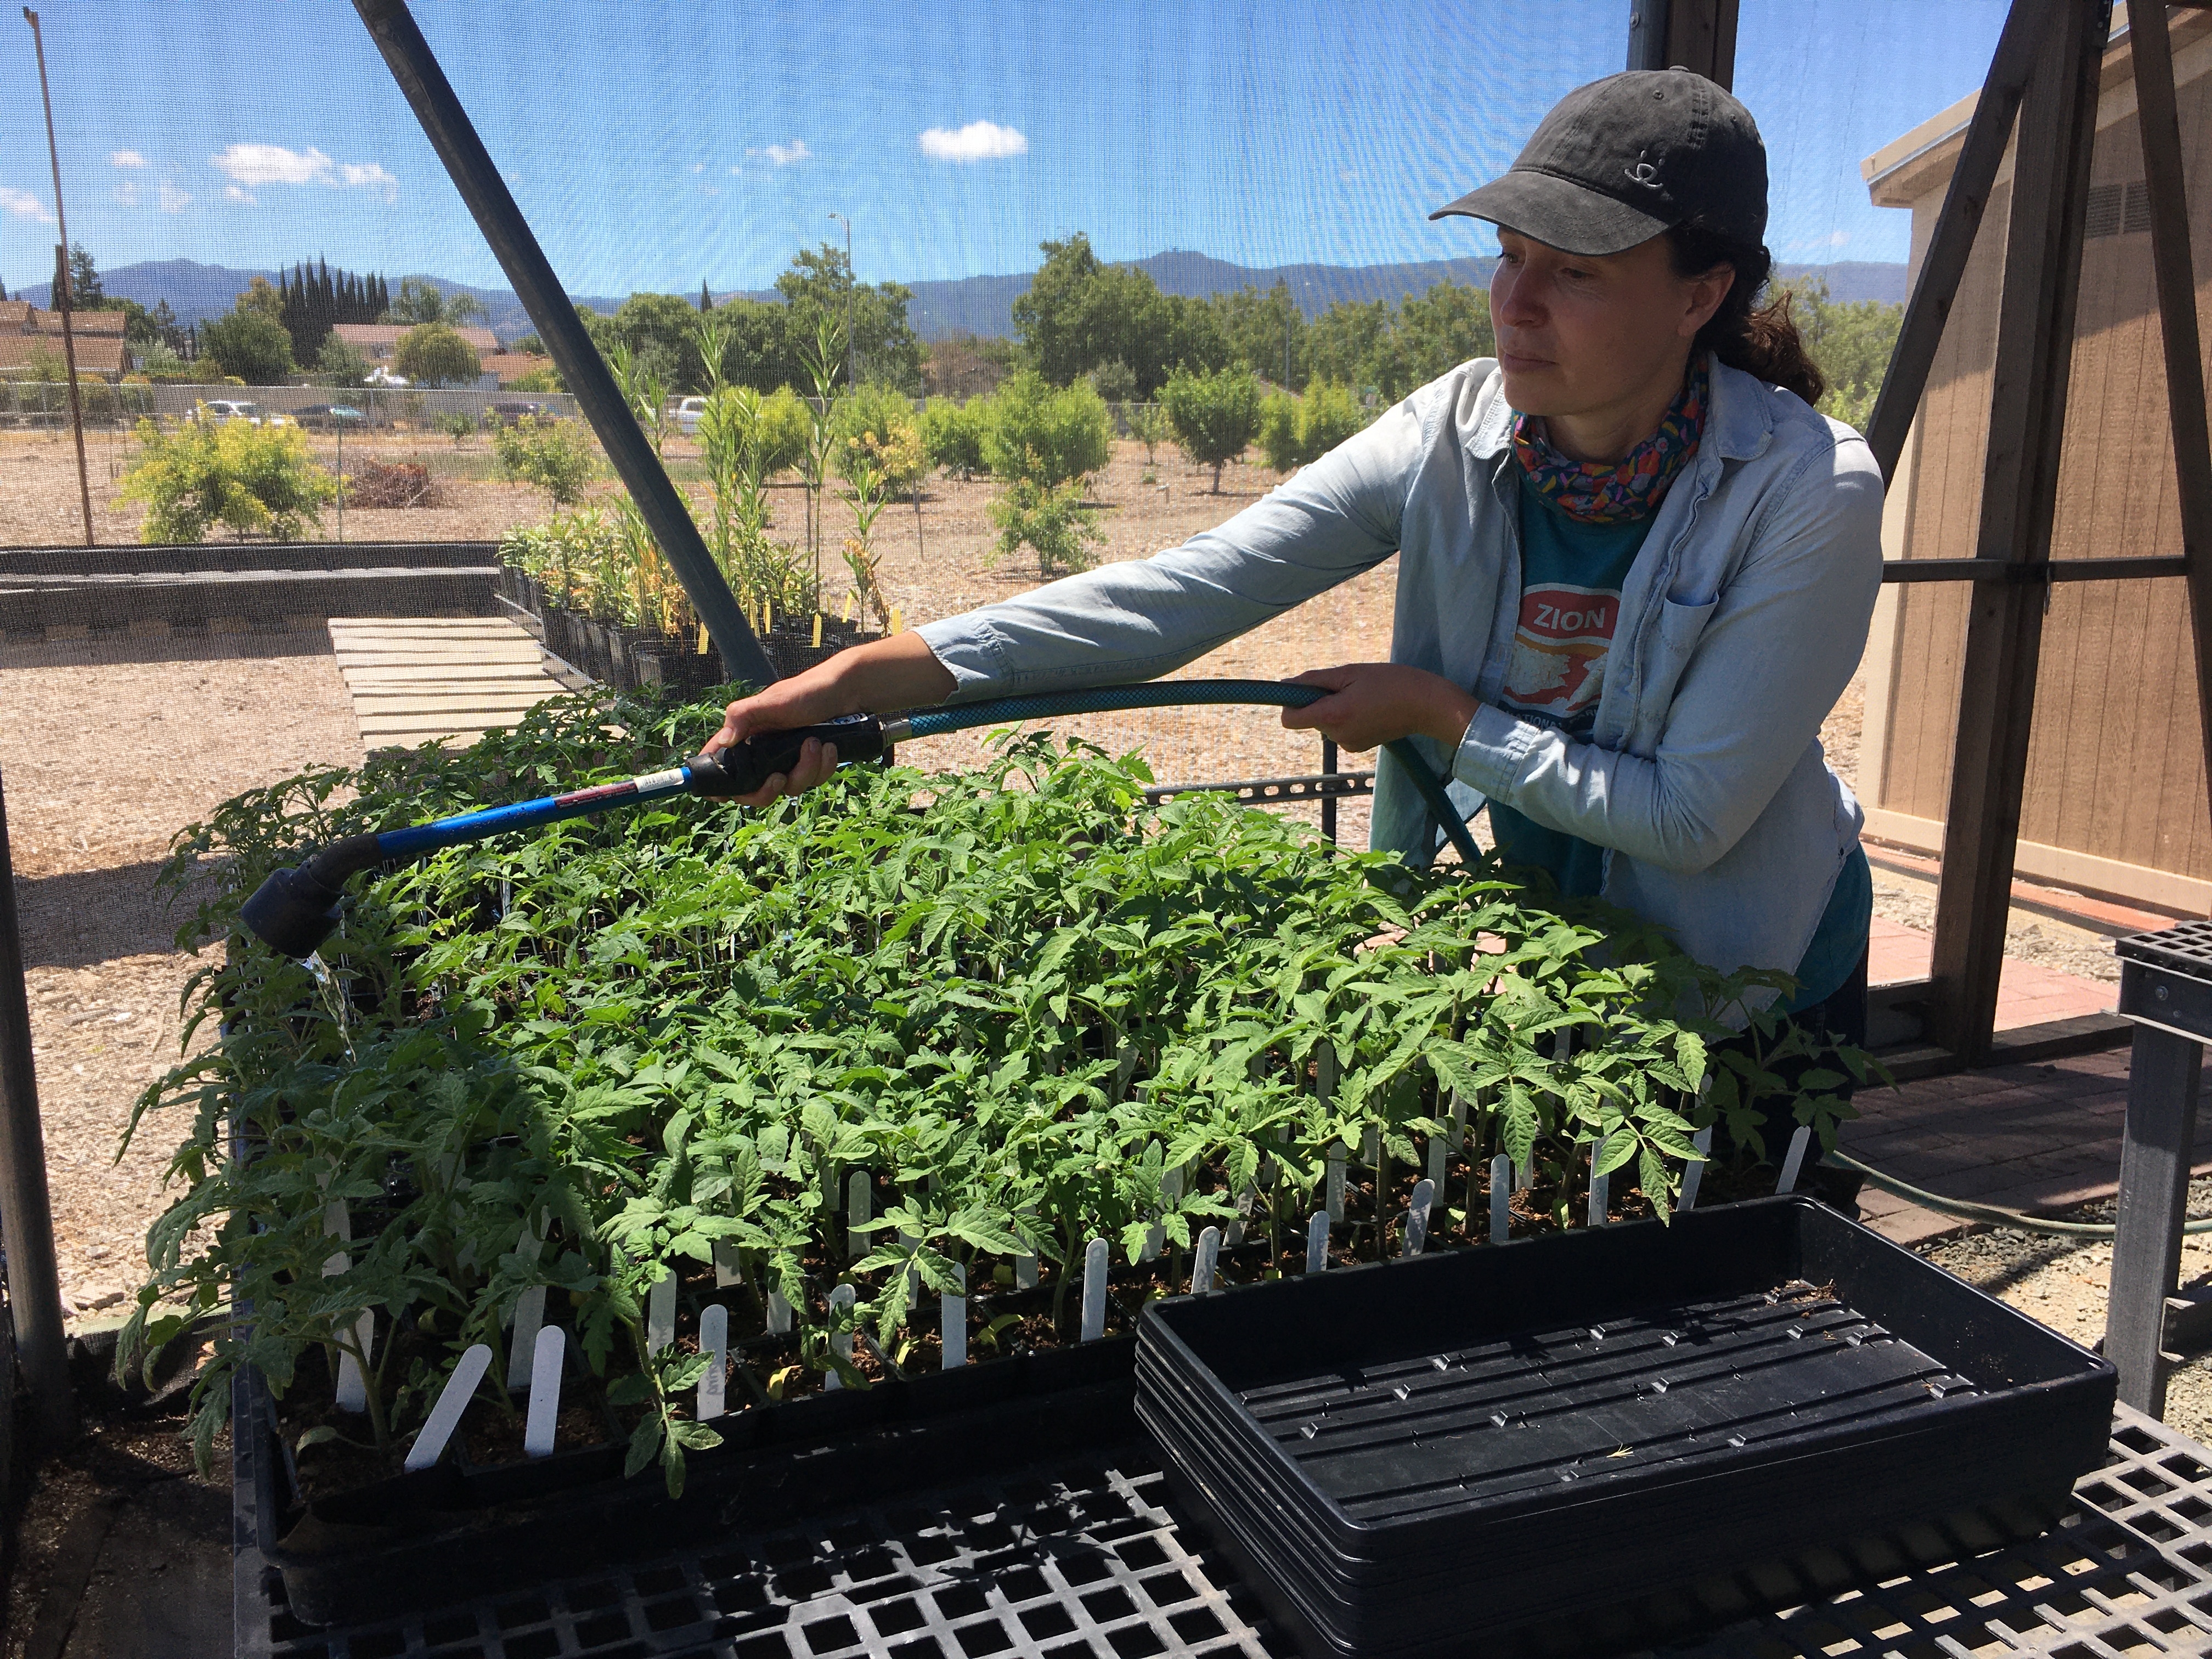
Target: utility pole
pixel 60 296
pixel 847 223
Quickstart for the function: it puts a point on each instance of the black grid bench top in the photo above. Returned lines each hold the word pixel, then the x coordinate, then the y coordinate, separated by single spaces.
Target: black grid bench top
pixel 2183 948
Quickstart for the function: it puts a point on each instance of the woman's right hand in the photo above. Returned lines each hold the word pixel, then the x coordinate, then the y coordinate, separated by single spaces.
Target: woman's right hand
pixel 899 672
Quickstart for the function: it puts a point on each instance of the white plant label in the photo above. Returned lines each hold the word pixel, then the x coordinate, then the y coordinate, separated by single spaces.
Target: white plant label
pixel 728 1267
pixel 840 1343
pixel 1324 1072
pixel 1333 1200
pixel 1600 1186
pixel 779 1315
pixel 1694 1172
pixel 1096 1258
pixel 1317 1243
pixel 1208 1260
pixel 952 1322
pixel 1455 1137
pixel 529 1320
pixel 1794 1164
pixel 338 1222
pixel 1501 1199
pixel 453 1399
pixel 352 1390
pixel 661 1313
pixel 1437 1157
pixel 1025 1273
pixel 714 1343
pixel 1370 1146
pixel 860 1210
pixel 544 1416
pixel 1417 1218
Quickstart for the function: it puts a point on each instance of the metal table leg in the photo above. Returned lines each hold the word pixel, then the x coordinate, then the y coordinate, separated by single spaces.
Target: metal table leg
pixel 2161 1127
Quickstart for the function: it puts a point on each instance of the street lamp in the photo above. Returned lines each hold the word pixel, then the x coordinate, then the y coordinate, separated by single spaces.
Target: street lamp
pixel 847 223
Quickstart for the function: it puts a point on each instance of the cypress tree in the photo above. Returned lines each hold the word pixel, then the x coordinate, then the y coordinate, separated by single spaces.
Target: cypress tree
pixel 706 300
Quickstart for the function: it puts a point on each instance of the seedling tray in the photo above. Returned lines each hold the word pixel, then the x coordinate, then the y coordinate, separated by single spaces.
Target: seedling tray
pixel 1466 1441
pixel 454 1530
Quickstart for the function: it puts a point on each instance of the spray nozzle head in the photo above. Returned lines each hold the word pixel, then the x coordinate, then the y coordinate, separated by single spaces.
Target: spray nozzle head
pixel 297 908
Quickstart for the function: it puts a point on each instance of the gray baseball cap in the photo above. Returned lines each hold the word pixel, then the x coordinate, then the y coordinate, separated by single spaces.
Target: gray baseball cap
pixel 1623 159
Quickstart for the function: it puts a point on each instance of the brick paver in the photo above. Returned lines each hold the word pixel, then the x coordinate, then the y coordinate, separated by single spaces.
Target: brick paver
pixel 2041 1137
pixel 2027 992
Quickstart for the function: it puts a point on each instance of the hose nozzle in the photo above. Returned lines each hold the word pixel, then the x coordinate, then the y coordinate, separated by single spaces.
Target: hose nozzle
pixel 744 766
pixel 297 908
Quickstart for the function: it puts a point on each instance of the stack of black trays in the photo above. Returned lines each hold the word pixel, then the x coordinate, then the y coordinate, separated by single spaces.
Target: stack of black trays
pixel 1410 1459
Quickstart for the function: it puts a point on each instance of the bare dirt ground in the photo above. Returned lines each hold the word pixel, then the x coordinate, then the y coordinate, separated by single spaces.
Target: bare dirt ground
pixel 2065 1284
pixel 107 751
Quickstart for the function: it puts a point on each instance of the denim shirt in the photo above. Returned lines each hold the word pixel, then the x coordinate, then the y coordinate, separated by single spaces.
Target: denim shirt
pixel 1742 619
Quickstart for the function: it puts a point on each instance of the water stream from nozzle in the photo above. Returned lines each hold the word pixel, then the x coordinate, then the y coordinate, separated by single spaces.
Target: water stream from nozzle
pixel 334 999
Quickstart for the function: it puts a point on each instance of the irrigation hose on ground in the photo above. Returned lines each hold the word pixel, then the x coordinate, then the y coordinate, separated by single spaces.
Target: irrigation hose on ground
pixel 297 907
pixel 1997 1214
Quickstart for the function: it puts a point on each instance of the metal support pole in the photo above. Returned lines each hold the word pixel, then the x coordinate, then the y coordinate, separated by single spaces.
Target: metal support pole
pixel 2161 125
pixel 2163 1074
pixel 26 1222
pixel 446 123
pixel 1328 800
pixel 1691 35
pixel 849 279
pixel 60 296
pixel 2020 484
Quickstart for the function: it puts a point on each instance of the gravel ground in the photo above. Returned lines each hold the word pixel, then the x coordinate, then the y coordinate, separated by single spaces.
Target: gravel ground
pixel 2066 1286
pixel 87 836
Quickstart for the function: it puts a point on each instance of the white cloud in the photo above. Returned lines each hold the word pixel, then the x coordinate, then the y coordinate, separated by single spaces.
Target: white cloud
pixel 23 206
pixel 127 158
pixel 698 167
pixel 785 154
pixel 126 192
pixel 172 199
pixel 272 164
pixel 979 141
pixel 233 194
pixel 371 175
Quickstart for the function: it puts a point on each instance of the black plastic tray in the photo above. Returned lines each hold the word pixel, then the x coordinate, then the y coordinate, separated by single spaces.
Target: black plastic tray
pixel 1401 1516
pixel 451 1532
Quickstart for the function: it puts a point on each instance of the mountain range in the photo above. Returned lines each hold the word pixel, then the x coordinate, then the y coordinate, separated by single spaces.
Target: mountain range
pixel 974 305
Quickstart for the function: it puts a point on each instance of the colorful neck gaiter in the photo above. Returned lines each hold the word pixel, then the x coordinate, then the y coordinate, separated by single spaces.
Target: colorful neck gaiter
pixel 1632 487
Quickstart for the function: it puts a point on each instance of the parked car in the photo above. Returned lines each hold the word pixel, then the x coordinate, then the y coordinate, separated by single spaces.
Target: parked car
pixel 329 416
pixel 220 411
pixel 687 413
pixel 507 412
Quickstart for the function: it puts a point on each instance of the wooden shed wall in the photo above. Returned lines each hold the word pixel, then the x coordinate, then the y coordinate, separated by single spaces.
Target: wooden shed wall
pixel 2116 762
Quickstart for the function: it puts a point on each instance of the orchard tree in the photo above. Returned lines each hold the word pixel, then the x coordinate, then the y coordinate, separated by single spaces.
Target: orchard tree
pixel 432 353
pixel 1213 417
pixel 1046 435
pixel 1257 327
pixel 1080 313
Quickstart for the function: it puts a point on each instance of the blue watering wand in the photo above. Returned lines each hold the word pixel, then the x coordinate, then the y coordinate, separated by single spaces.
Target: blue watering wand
pixel 297 908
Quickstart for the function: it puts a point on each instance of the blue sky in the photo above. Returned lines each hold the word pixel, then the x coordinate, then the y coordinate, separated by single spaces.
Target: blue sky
pixel 653 145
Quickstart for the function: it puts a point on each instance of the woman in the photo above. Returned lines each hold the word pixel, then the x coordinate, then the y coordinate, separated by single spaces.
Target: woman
pixel 1636 568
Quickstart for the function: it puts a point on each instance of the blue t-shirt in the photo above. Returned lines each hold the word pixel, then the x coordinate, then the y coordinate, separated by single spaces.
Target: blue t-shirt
pixel 1572 574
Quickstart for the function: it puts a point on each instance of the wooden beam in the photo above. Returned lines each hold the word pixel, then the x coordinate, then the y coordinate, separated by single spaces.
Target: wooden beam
pixel 2149 568
pixel 2161 126
pixel 2020 481
pixel 2027 26
pixel 1691 35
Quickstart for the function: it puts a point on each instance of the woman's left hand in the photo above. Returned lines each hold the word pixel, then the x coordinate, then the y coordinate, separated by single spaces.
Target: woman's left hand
pixel 1373 703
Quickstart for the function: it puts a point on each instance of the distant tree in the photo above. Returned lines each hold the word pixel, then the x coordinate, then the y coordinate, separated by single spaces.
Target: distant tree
pixel 1255 327
pixel 1213 417
pixel 706 300
pixel 1850 340
pixel 1114 381
pixel 432 353
pixel 1081 313
pixel 315 301
pixel 254 480
pixel 964 365
pixel 137 322
pixel 419 302
pixel 885 348
pixel 262 298
pixel 462 308
pixel 86 292
pixel 248 343
pixel 166 327
pixel 879 439
pixel 656 330
pixel 555 456
pixel 1446 327
pixel 953 434
pixel 340 365
pixel 1352 342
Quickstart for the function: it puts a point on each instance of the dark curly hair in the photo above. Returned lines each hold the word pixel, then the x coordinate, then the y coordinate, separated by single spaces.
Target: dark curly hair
pixel 1761 339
